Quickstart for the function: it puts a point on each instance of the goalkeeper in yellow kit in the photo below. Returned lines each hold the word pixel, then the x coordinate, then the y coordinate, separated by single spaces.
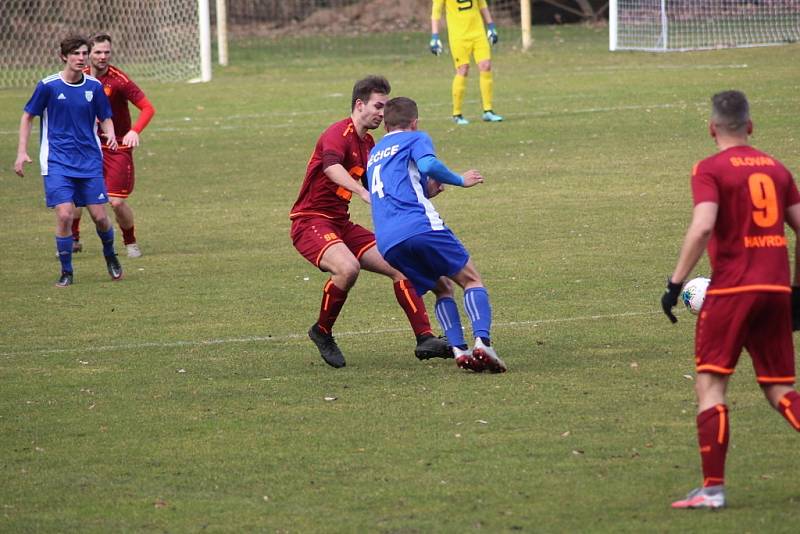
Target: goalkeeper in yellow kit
pixel 467 36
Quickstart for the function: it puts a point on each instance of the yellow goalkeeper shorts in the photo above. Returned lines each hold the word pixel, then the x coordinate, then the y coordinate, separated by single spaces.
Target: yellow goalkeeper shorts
pixel 462 49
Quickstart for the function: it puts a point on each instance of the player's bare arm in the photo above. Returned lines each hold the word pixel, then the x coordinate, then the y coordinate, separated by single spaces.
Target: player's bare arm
pixel 338 175
pixel 107 126
pixel 25 126
pixel 487 15
pixel 694 243
pixel 435 26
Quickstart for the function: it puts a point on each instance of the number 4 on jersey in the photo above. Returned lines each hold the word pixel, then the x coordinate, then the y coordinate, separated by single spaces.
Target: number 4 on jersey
pixel 376 186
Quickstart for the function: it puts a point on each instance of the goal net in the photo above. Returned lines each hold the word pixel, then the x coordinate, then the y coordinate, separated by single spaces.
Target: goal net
pixel 662 25
pixel 152 38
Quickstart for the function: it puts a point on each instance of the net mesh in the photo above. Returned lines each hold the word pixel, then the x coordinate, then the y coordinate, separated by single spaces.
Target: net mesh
pixel 155 39
pixel 706 24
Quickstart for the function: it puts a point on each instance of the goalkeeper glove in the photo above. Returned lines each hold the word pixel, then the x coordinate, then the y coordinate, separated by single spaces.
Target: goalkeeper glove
pixel 795 308
pixel 670 298
pixel 435 44
pixel 491 33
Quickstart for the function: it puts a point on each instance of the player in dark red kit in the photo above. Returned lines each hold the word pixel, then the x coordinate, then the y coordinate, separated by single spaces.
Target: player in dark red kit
pixel 742 198
pixel 323 233
pixel 118 166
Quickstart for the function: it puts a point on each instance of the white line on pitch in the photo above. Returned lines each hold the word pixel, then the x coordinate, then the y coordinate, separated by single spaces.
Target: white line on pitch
pixel 290 337
pixel 202 123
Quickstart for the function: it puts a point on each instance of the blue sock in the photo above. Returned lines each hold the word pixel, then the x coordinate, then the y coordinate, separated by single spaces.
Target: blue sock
pixel 64 249
pixel 447 315
pixel 107 238
pixel 476 302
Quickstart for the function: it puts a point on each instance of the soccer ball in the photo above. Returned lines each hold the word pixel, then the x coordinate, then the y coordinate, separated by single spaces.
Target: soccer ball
pixel 694 293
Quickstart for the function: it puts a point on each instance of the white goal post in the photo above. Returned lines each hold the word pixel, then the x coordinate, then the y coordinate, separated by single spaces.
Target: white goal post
pixel 680 25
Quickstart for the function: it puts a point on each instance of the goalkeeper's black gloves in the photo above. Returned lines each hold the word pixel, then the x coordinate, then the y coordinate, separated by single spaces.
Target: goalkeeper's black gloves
pixel 795 308
pixel 670 298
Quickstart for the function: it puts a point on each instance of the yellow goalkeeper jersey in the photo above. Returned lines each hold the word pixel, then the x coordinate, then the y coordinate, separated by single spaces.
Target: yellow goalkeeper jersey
pixel 464 19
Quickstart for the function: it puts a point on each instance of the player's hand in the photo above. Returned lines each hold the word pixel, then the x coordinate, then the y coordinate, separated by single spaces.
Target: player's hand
pixel 19 164
pixel 112 143
pixel 436 45
pixel 670 299
pixel 472 177
pixel 131 139
pixel 434 188
pixel 795 308
pixel 491 34
pixel 364 195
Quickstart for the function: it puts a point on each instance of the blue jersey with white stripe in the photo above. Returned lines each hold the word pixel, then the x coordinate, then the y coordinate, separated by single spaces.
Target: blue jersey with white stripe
pixel 69 114
pixel 400 206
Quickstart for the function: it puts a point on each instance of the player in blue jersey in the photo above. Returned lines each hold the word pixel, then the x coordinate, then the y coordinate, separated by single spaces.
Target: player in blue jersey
pixel 70 104
pixel 403 173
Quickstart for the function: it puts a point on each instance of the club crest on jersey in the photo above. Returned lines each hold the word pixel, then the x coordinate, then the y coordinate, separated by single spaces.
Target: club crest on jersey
pixel 89 95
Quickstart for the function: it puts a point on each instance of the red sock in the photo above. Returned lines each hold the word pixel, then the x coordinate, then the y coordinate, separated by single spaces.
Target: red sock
pixel 332 301
pixel 414 307
pixel 712 434
pixel 789 406
pixel 76 229
pixel 128 235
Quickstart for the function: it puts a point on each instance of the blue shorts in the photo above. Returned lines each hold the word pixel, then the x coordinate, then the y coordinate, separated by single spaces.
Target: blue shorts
pixel 59 189
pixel 424 258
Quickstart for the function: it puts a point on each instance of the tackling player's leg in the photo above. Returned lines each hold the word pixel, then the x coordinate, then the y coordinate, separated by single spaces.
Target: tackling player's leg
pixel 344 268
pixel 428 345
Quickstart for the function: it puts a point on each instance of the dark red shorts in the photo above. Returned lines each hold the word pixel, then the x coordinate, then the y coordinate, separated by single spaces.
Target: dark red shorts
pixel 312 236
pixel 118 172
pixel 760 322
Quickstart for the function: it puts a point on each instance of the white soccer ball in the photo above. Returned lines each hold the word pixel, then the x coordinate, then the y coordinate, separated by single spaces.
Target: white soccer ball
pixel 694 293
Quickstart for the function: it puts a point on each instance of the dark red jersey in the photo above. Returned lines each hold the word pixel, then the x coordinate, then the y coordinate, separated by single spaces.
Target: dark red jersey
pixel 747 249
pixel 319 195
pixel 120 90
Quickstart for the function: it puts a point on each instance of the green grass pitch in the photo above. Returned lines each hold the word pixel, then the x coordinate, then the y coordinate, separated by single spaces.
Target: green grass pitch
pixel 187 397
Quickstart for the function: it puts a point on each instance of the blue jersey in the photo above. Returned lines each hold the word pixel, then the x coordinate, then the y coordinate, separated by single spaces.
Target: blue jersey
pixel 68 137
pixel 400 205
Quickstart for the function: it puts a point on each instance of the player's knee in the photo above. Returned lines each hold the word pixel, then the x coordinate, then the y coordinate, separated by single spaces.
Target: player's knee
pixel 63 218
pixel 443 288
pixel 347 272
pixel 101 220
pixel 116 203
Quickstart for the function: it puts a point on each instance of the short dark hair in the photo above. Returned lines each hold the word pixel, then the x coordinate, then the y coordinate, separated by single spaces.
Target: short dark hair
pixel 730 111
pixel 71 43
pixel 399 113
pixel 99 38
pixel 363 89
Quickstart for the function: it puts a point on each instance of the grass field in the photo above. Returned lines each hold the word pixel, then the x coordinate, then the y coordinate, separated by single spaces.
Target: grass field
pixel 188 398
